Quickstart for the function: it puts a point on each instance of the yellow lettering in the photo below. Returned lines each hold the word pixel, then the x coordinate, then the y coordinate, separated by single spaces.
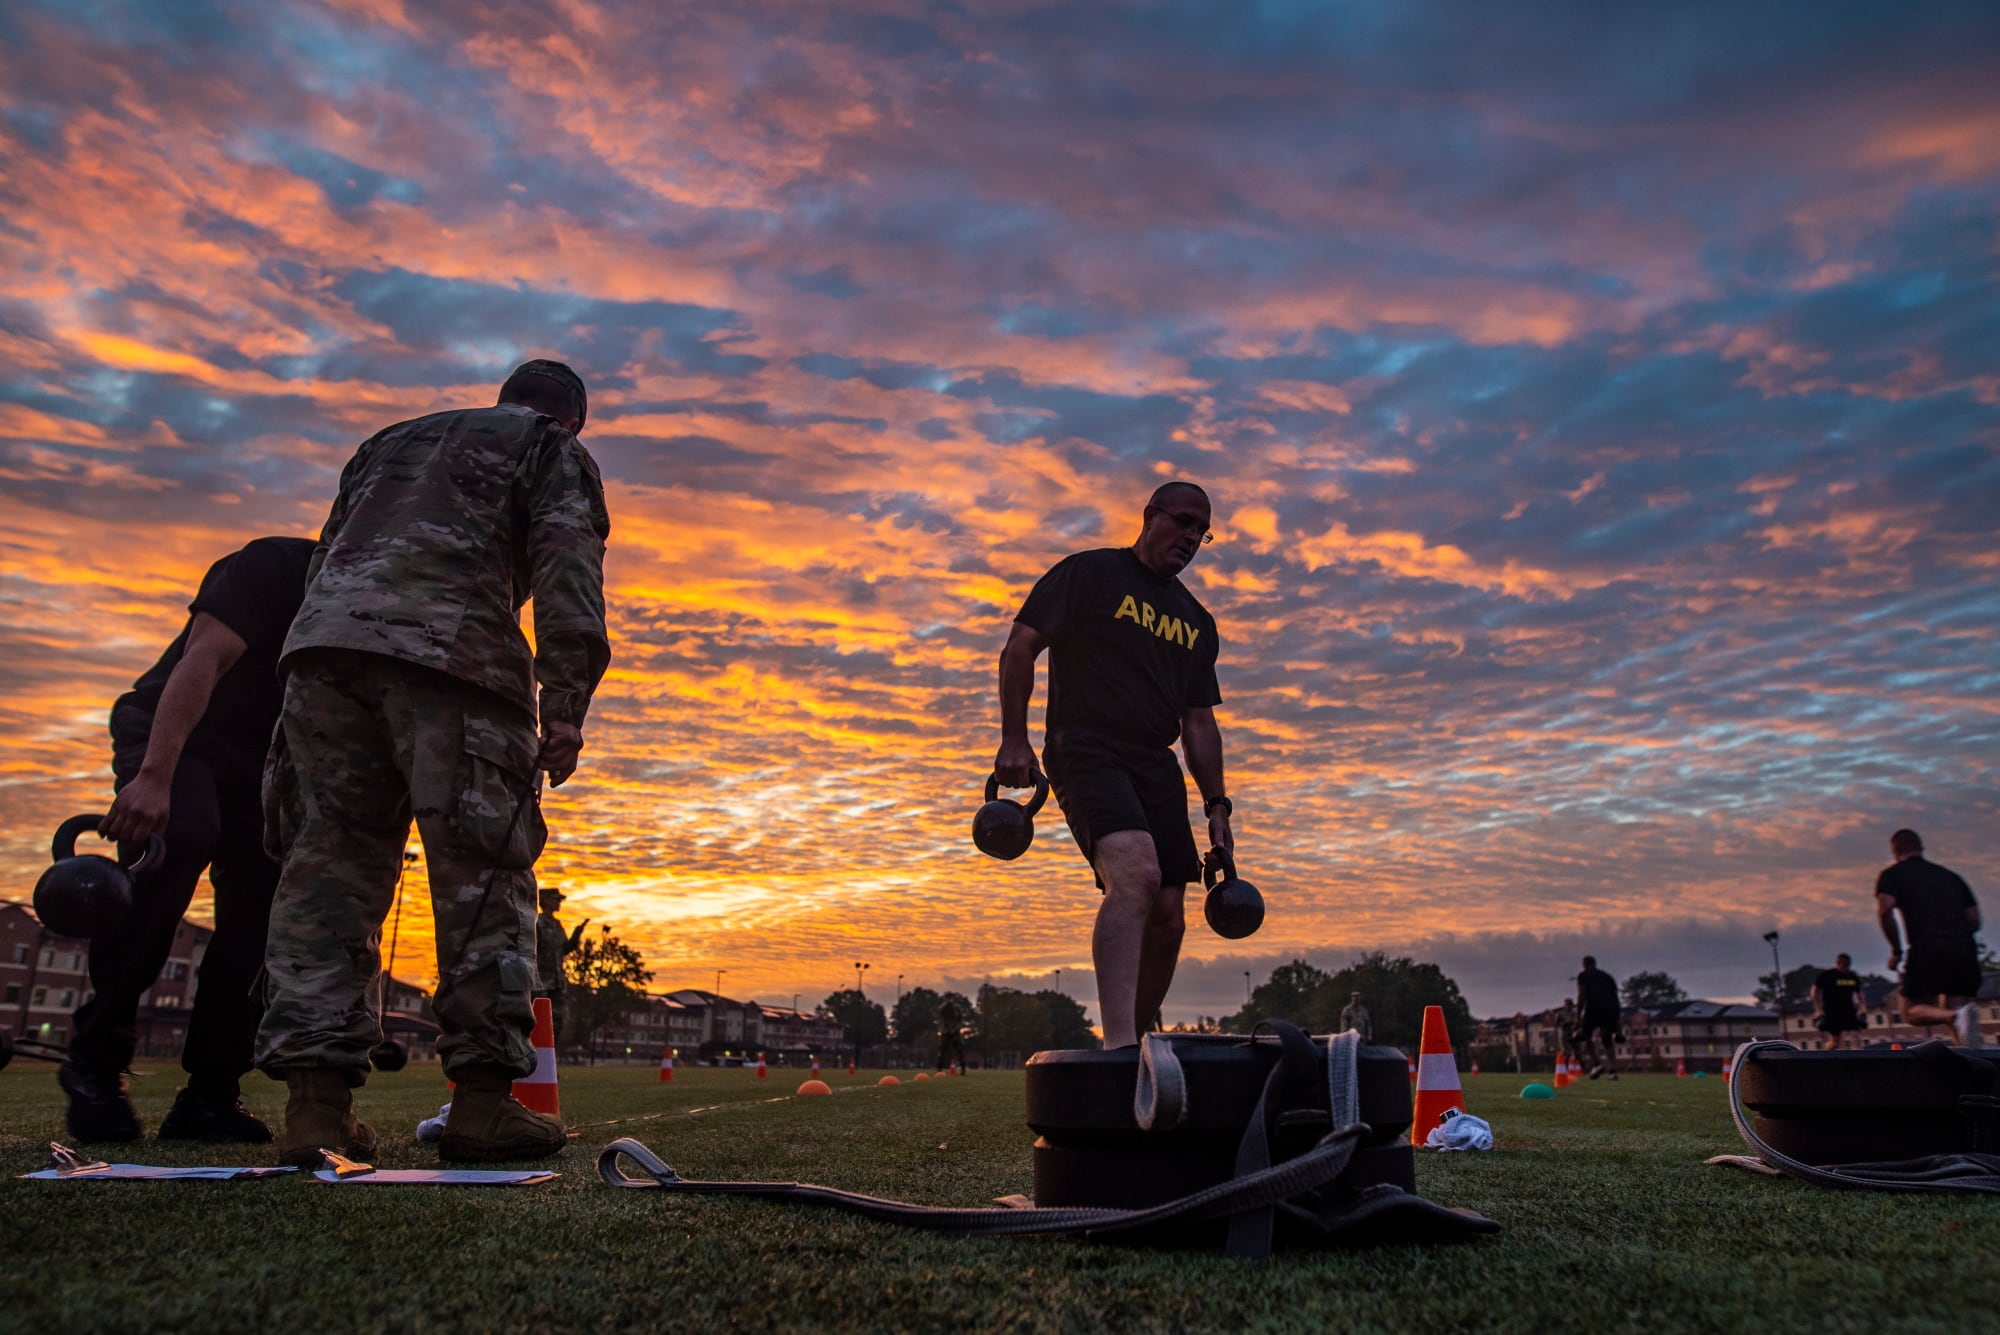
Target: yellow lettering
pixel 1149 615
pixel 1128 608
pixel 1192 631
pixel 1170 629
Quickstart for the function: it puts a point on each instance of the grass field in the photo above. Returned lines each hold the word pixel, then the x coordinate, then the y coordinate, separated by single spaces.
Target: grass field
pixel 1612 1224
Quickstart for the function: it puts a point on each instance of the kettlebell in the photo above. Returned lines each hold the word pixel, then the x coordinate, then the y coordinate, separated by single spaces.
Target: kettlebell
pixel 389 1055
pixel 84 894
pixel 1003 828
pixel 1234 907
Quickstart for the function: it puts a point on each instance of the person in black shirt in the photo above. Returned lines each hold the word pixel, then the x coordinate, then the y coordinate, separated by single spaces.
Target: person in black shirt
pixel 1834 995
pixel 1941 916
pixel 1597 1001
pixel 188 743
pixel 1131 669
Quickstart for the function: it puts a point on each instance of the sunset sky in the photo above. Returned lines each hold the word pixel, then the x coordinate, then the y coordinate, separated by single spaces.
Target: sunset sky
pixel 1601 405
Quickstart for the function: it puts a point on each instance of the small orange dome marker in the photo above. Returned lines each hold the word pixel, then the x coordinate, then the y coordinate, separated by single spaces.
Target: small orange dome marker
pixel 815 1087
pixel 888 1080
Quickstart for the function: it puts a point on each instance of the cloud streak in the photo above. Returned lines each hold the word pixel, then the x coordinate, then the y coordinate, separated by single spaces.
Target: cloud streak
pixel 1600 410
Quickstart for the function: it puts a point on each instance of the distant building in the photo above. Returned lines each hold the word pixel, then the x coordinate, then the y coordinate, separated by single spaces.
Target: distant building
pixel 707 1027
pixel 45 976
pixel 1703 1034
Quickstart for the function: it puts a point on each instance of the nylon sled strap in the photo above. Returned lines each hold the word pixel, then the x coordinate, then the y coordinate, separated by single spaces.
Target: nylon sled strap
pixel 1936 1172
pixel 1379 1212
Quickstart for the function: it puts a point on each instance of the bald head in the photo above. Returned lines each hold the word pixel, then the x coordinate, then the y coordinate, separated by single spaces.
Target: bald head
pixel 1174 528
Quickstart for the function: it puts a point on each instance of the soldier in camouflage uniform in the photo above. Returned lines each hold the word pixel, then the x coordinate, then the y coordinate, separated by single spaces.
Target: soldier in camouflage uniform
pixel 410 692
pixel 551 946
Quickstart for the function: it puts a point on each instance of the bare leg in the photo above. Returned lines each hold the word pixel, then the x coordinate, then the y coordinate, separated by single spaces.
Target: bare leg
pixel 1918 1012
pixel 1160 951
pixel 1130 869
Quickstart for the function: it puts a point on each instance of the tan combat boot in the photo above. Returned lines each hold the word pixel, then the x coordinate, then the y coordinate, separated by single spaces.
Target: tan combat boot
pixel 319 1114
pixel 487 1124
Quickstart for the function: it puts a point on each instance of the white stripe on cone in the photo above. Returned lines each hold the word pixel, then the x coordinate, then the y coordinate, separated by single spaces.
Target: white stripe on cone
pixel 1437 1070
pixel 537 1090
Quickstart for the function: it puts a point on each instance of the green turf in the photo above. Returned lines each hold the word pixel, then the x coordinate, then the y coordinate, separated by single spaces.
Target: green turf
pixel 1612 1224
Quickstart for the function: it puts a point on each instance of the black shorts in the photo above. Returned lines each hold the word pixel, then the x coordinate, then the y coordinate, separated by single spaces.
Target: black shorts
pixel 1846 1024
pixel 1105 785
pixel 1606 1025
pixel 1941 969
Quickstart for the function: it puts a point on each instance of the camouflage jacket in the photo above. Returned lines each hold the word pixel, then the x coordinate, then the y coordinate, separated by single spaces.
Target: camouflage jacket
pixel 551 944
pixel 443 527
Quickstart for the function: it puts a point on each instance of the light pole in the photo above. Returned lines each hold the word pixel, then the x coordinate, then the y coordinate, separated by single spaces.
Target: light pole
pixel 899 989
pixel 862 992
pixel 1058 980
pixel 1246 987
pixel 1778 980
pixel 718 981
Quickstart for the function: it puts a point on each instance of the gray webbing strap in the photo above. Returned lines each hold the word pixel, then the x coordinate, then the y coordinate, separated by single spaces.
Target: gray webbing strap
pixel 1939 1172
pixel 1343 1078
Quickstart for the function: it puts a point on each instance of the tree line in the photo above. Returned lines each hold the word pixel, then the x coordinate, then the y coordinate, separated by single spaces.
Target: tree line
pixel 1002 1020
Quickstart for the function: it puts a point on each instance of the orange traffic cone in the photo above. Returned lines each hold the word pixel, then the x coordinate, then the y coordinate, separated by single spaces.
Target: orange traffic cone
pixel 1681 1068
pixel 538 1090
pixel 1437 1076
pixel 666 1066
pixel 1475 1068
pixel 760 1066
pixel 850 1066
pixel 1562 1071
pixel 1413 1068
pixel 815 1066
pixel 1728 1068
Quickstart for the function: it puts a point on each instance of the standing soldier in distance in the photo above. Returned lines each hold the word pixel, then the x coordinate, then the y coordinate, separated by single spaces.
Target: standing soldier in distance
pixel 551 948
pixel 1131 670
pixel 951 1036
pixel 411 692
pixel 187 747
pixel 1355 1016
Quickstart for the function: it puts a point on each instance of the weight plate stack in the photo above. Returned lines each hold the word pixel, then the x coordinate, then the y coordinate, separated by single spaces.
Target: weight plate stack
pixel 1092 1152
pixel 1869 1106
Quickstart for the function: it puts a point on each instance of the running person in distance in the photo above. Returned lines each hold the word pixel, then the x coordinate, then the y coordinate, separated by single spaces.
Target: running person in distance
pixel 1131 671
pixel 1597 1033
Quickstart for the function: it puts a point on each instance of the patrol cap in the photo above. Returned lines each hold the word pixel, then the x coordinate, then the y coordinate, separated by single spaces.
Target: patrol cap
pixel 553 372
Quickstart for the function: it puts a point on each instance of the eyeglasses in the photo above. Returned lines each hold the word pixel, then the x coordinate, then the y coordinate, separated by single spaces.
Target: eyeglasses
pixel 1190 523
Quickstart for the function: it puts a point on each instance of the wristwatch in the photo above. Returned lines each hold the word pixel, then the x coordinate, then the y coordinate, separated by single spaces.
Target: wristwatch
pixel 1228 807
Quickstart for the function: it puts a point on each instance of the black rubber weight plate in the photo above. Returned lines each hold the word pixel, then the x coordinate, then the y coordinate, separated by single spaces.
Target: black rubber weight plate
pixel 1913 1081
pixel 1072 1092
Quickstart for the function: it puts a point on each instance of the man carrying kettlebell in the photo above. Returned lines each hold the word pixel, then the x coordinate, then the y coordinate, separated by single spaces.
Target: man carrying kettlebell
pixel 187 751
pixel 1131 669
pixel 411 693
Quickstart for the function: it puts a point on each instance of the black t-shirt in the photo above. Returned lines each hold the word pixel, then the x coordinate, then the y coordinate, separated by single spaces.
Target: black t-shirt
pixel 1838 989
pixel 1129 652
pixel 1933 900
pixel 255 592
pixel 1599 991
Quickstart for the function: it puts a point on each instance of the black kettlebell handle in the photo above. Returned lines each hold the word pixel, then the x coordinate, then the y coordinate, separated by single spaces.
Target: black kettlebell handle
pixel 64 844
pixel 1218 859
pixel 1035 777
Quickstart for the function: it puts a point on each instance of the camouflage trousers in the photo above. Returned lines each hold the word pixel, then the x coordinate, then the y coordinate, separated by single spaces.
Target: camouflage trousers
pixel 364 744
